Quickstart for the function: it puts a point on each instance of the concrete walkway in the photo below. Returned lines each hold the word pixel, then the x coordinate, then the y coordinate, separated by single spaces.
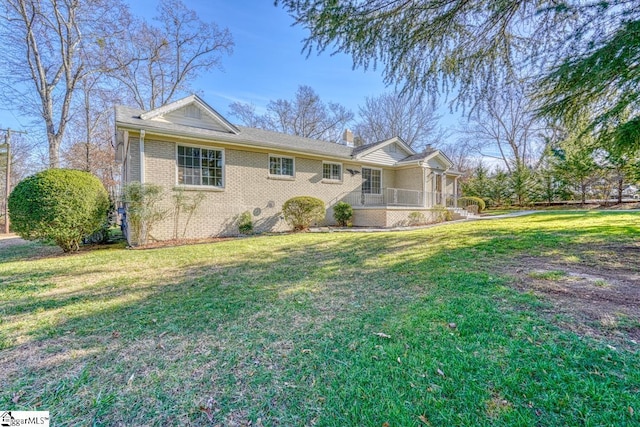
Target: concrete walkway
pixel 417 227
pixel 11 239
pixel 508 215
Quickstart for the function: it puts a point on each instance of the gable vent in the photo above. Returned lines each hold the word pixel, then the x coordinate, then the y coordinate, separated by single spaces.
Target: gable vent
pixel 192 112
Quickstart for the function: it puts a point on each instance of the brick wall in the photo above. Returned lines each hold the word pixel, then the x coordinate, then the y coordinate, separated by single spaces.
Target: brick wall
pixel 389 217
pixel 248 187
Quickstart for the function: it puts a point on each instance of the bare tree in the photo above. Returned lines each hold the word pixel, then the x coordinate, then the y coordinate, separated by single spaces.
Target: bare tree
pixel 22 165
pixel 461 157
pixel 22 162
pixel 306 115
pixel 403 115
pixel 504 121
pixel 89 143
pixel 247 115
pixel 156 63
pixel 50 46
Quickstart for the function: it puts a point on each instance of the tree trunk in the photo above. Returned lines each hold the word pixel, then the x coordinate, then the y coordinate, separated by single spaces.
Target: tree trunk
pixel 620 188
pixel 54 151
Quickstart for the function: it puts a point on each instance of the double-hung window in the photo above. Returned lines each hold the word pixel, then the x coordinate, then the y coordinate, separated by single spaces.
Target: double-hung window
pixel 332 171
pixel 371 181
pixel 200 166
pixel 281 166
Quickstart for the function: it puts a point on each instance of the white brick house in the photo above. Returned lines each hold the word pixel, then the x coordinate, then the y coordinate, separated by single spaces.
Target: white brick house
pixel 188 145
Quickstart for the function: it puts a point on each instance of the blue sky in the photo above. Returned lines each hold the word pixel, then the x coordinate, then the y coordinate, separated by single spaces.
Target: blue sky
pixel 267 62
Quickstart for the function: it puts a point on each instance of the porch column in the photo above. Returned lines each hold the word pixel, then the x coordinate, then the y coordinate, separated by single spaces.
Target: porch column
pixel 455 191
pixel 142 133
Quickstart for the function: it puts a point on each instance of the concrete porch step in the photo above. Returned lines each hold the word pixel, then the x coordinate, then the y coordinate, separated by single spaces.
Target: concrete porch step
pixel 460 213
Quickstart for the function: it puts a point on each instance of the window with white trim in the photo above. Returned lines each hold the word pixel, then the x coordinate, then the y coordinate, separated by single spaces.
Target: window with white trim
pixel 332 171
pixel 281 166
pixel 200 166
pixel 371 181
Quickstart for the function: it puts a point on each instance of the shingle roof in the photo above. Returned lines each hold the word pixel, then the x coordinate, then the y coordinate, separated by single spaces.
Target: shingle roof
pixel 364 147
pixel 130 118
pixel 419 156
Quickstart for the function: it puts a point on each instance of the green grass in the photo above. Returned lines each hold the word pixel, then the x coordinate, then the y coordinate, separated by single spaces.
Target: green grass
pixel 548 275
pixel 286 330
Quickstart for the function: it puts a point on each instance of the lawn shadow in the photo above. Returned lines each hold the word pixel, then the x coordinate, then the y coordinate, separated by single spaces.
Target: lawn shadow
pixel 270 334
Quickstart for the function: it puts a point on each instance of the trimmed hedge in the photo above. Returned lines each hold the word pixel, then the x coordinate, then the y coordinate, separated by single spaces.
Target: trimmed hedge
pixel 301 212
pixel 59 205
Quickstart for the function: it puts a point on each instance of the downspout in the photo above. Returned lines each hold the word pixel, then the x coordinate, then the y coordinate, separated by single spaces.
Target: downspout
pixel 126 156
pixel 142 172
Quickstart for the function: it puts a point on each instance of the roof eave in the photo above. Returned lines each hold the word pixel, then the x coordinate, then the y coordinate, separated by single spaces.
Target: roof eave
pixel 221 138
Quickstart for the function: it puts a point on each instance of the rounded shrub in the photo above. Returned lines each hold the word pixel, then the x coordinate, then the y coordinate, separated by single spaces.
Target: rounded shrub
pixel 300 212
pixel 342 213
pixel 472 200
pixel 59 205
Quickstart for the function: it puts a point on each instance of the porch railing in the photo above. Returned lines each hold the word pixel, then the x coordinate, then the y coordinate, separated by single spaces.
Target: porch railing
pixel 403 197
pixel 387 197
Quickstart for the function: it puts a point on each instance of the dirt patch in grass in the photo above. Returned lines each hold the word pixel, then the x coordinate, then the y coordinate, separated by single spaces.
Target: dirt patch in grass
pixel 595 292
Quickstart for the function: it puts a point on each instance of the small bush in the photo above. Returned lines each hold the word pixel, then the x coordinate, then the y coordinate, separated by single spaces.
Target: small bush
pixel 187 204
pixel 301 212
pixel 59 205
pixel 472 200
pixel 416 218
pixel 342 213
pixel 245 223
pixel 442 213
pixel 143 210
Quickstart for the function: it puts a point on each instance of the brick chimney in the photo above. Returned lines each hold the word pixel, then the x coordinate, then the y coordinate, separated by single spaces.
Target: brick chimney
pixel 347 137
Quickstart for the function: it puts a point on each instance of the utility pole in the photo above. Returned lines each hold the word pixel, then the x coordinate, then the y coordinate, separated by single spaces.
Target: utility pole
pixel 7 139
pixel 7 187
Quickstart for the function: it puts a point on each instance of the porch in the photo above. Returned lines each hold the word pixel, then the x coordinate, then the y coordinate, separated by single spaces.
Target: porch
pixel 400 197
pixel 396 207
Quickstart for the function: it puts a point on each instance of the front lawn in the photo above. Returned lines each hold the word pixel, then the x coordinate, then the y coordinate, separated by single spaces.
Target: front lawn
pixel 497 322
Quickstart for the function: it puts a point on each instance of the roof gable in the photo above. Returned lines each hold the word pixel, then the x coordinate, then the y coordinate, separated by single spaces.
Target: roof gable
pixel 432 157
pixel 365 150
pixel 190 111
